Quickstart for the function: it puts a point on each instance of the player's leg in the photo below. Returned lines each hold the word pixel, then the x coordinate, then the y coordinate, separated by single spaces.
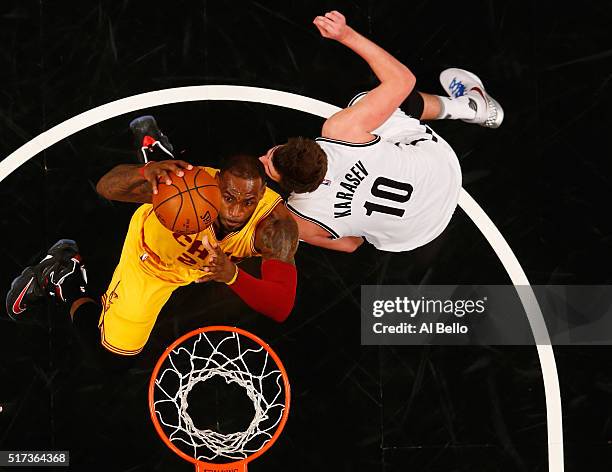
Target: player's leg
pixel 60 274
pixel 85 315
pixel 404 124
pixel 427 107
pixel 131 305
pixel 467 101
pixel 424 107
pixel 138 290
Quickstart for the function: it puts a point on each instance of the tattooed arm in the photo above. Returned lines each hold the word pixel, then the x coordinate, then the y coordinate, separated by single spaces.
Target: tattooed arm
pixel 276 237
pixel 137 184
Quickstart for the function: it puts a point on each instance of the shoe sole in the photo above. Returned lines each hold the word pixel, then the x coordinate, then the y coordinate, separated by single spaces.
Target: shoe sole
pixel 500 114
pixel 141 127
pixel 445 74
pixel 140 124
pixel 62 245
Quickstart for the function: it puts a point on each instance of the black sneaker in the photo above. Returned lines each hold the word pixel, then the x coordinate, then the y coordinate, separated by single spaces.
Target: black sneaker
pixel 60 274
pixel 151 144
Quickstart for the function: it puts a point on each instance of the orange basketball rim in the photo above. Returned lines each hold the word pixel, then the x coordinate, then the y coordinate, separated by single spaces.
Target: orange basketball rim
pixel 239 357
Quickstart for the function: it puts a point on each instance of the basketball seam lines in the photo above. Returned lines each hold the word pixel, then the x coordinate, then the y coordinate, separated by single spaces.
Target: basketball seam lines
pixel 183 191
pixel 206 199
pixel 195 210
pixel 197 189
pixel 180 194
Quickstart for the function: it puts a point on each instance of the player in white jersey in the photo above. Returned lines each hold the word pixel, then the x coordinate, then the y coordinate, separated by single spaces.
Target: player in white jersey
pixel 379 173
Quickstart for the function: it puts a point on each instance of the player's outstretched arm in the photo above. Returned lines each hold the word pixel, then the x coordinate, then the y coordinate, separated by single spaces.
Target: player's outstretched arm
pixel 344 244
pixel 396 82
pixel 136 183
pixel 312 233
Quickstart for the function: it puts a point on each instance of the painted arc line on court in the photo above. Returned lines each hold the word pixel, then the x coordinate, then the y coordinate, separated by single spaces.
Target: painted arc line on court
pixel 552 391
pixel 324 110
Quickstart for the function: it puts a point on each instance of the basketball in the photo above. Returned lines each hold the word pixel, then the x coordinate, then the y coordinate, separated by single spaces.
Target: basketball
pixel 190 204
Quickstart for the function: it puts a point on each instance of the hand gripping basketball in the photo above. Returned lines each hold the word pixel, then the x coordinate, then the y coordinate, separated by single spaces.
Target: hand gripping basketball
pixel 190 200
pixel 155 172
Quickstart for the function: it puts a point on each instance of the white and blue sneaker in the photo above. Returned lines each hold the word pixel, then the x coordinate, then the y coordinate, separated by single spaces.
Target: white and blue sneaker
pixel 459 82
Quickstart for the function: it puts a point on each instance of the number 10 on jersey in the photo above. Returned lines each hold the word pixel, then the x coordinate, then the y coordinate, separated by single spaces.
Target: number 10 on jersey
pixel 380 189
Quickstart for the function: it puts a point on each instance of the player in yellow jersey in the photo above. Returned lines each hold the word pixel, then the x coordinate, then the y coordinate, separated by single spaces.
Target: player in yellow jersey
pixel 155 261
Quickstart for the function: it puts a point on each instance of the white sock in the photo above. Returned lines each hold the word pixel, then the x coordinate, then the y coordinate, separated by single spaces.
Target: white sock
pixel 456 108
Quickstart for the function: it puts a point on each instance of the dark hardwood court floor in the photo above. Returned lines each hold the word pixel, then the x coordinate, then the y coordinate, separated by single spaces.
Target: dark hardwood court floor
pixel 543 177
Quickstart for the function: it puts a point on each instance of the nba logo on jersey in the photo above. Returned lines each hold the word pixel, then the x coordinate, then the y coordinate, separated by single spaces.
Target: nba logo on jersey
pixel 326 182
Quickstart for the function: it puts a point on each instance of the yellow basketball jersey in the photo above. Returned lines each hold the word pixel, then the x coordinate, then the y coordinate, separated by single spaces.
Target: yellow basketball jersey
pixel 177 257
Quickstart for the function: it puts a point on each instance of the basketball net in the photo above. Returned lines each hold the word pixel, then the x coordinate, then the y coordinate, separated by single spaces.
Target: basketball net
pixel 237 357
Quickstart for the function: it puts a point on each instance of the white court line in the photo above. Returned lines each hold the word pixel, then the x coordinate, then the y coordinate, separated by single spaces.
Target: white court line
pixel 552 391
pixel 324 110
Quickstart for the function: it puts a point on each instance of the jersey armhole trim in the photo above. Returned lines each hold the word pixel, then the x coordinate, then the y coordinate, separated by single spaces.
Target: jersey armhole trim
pixel 347 143
pixel 312 220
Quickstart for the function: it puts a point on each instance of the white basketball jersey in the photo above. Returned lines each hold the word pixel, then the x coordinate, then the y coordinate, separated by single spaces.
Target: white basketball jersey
pixel 399 192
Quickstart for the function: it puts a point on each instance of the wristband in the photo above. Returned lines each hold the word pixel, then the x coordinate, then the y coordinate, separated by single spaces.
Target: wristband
pixel 233 279
pixel 141 169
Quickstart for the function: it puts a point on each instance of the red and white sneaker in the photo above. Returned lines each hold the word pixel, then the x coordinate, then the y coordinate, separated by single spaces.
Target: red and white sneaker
pixel 459 82
pixel 151 144
pixel 60 275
